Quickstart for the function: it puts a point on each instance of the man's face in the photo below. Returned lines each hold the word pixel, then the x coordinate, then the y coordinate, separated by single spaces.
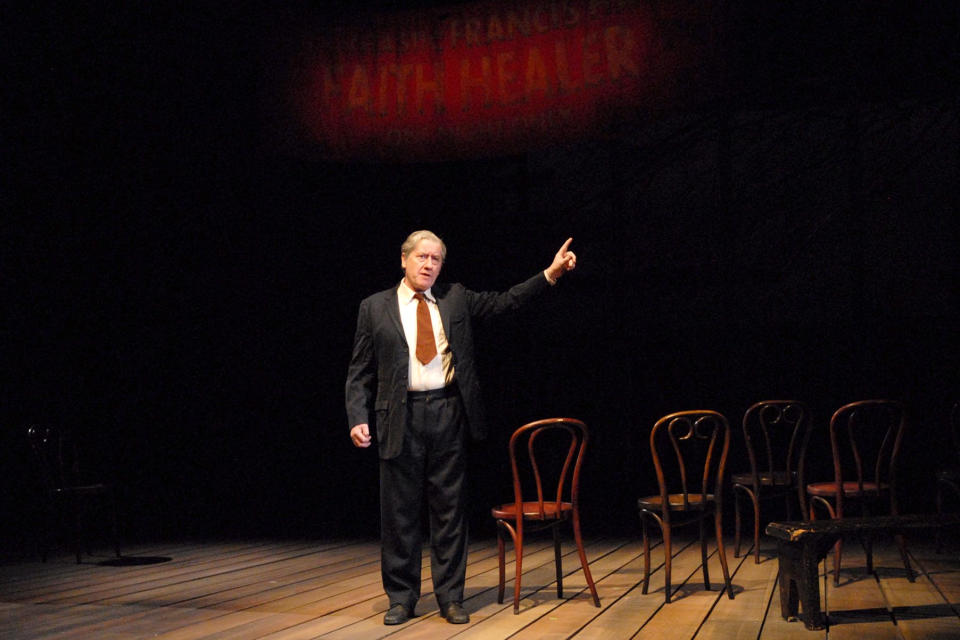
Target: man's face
pixel 422 265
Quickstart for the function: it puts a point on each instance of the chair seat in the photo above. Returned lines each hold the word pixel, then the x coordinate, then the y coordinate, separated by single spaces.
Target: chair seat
pixel 86 489
pixel 695 501
pixel 777 478
pixel 531 511
pixel 852 489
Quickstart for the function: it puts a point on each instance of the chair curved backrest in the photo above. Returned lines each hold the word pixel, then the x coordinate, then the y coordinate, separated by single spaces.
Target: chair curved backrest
pixel 56 456
pixel 539 440
pixel 695 445
pixel 774 432
pixel 865 439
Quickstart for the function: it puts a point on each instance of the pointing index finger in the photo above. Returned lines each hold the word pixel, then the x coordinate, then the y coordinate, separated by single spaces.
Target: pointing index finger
pixel 566 245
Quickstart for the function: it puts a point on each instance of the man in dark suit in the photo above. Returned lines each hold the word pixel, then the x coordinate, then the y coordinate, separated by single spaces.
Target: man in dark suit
pixel 412 381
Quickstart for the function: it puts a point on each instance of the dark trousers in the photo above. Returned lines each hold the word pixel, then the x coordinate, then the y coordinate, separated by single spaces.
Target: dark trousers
pixel 432 466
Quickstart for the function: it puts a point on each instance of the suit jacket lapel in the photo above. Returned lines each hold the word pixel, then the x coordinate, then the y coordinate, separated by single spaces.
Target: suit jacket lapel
pixel 392 309
pixel 443 306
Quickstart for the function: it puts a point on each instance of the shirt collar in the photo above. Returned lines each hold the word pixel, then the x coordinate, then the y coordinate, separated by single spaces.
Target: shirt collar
pixel 406 293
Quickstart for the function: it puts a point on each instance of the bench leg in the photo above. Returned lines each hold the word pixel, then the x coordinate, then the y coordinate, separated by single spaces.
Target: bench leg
pixel 799 583
pixel 809 585
pixel 789 600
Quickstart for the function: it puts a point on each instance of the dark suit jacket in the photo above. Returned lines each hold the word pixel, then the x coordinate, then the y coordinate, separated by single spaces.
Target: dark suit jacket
pixel 376 389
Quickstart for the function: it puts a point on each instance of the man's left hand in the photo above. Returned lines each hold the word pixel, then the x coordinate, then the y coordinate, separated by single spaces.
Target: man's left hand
pixel 564 261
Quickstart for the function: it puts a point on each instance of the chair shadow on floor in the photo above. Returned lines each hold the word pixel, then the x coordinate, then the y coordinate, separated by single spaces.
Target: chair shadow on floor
pixel 881 614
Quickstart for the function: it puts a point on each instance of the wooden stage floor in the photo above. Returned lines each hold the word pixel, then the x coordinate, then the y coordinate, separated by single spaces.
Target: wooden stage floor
pixel 331 589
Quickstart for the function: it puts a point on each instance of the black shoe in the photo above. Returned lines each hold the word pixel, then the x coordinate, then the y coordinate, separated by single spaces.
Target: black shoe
pixel 398 614
pixel 455 613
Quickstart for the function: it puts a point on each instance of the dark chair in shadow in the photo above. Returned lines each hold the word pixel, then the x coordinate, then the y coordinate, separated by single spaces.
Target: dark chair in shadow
pixel 948 477
pixel 689 450
pixel 69 497
pixel 546 458
pixel 773 432
pixel 865 438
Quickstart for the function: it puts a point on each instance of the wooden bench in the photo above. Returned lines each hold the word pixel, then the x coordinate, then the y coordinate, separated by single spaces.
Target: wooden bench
pixel 802 545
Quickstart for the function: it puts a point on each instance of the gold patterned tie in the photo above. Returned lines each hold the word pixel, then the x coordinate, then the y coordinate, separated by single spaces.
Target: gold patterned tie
pixel 426 346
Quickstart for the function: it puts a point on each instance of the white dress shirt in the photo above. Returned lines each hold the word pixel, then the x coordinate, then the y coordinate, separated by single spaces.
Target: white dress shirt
pixel 438 372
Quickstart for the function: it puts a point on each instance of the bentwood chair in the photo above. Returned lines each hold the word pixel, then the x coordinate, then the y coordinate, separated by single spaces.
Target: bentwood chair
pixel 69 497
pixel 948 477
pixel 689 450
pixel 773 433
pixel 546 458
pixel 865 440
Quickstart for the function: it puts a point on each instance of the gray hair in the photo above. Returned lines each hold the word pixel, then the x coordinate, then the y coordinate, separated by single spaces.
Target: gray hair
pixel 414 238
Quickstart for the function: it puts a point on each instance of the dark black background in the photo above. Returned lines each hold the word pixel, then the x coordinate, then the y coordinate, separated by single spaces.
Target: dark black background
pixel 183 293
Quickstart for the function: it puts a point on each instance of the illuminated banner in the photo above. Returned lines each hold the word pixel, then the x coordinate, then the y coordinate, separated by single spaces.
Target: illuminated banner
pixel 497 77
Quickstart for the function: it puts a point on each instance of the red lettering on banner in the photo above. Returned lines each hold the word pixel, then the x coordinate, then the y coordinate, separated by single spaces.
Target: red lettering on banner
pixel 621 52
pixel 564 82
pixel 423 86
pixel 495 30
pixel 518 24
pixel 483 81
pixel 536 75
pixel 358 96
pixel 472 31
pixel 507 76
pixel 592 74
pixel 431 83
pixel 540 21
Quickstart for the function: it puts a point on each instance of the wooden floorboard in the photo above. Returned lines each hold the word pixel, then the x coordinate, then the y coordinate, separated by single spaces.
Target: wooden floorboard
pixel 742 618
pixel 928 608
pixel 856 609
pixel 306 589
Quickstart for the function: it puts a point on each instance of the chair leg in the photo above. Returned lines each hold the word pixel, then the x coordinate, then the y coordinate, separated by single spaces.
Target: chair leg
pixel 114 528
pixel 838 547
pixel 578 539
pixel 756 527
pixel 518 551
pixel 77 528
pixel 837 556
pixel 722 552
pixel 943 483
pixel 703 553
pixel 736 521
pixel 939 533
pixel 646 554
pixel 867 543
pixel 902 544
pixel 556 559
pixel 48 524
pixel 754 500
pixel 501 556
pixel 668 551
